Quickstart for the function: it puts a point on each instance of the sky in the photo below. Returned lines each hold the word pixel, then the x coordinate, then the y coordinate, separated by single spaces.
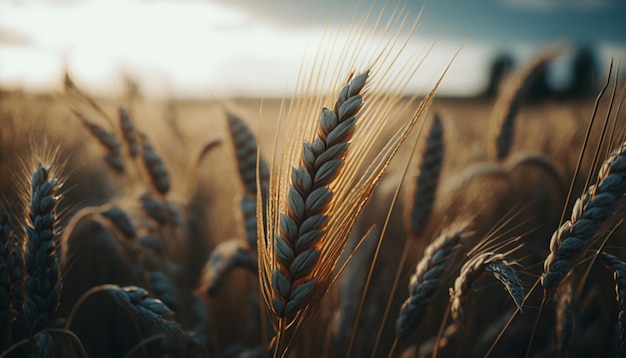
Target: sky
pixel 201 49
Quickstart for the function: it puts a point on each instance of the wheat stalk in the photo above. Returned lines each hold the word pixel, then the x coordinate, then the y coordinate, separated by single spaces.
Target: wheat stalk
pixel 619 274
pixel 565 324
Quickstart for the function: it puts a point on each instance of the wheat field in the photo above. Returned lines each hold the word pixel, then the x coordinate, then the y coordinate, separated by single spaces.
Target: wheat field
pixel 359 221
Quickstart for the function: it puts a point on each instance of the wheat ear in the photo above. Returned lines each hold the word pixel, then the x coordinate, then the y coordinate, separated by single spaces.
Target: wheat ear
pixel 428 278
pixel 245 145
pixel 473 270
pixel 155 167
pixel 302 226
pixel 619 274
pixel 420 207
pixel 129 133
pixel 223 259
pixel 590 211
pixel 509 101
pixel 122 221
pixel 42 282
pixel 113 156
pixel 138 301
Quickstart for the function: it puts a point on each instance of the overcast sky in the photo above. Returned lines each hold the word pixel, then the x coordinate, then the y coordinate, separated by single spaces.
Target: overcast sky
pixel 254 47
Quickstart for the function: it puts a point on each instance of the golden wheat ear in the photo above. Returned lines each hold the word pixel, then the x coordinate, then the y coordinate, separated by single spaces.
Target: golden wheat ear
pixel 324 169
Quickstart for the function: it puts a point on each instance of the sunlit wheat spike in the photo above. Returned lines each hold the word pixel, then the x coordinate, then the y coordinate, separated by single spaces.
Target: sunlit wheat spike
pixel 619 274
pixel 137 300
pixel 509 101
pixel 473 270
pixel 245 145
pixel 329 155
pixel 155 166
pixel 420 204
pixel 302 226
pixel 121 220
pixel 226 256
pixel 10 277
pixel 565 324
pixel 110 143
pixel 128 131
pixel 590 211
pixel 42 281
pixel 428 277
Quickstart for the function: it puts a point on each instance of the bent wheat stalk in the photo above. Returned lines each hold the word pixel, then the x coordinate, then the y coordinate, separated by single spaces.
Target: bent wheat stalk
pixel 473 270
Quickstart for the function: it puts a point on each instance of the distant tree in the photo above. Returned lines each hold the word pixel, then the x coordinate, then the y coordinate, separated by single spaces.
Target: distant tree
pixel 540 89
pixel 499 68
pixel 584 68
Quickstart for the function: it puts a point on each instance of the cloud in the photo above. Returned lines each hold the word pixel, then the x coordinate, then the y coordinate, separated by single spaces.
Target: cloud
pixel 10 37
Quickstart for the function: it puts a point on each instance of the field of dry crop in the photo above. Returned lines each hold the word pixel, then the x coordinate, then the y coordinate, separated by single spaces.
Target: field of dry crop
pixel 368 223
